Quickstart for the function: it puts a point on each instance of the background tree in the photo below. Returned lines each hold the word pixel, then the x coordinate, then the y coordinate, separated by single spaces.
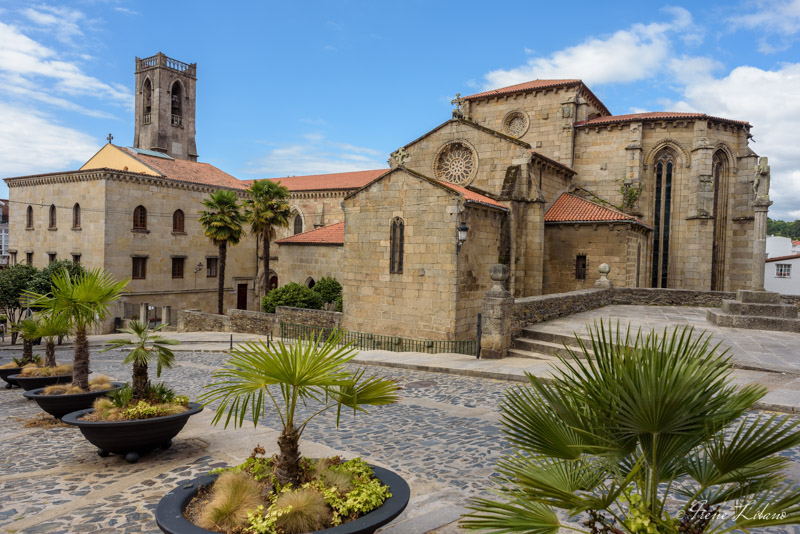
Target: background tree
pixel 222 224
pixel 84 301
pixel 13 283
pixel 148 345
pixel 784 229
pixel 266 209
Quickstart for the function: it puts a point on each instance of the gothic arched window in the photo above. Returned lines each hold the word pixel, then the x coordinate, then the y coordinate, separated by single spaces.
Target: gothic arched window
pixel 140 218
pixel 29 218
pixel 298 224
pixel 398 227
pixel 52 218
pixel 719 173
pixel 147 101
pixel 177 103
pixel 76 215
pixel 177 221
pixel 662 211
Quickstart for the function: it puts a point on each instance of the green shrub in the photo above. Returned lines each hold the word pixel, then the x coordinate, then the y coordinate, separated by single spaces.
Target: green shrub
pixel 339 304
pixel 292 295
pixel 328 288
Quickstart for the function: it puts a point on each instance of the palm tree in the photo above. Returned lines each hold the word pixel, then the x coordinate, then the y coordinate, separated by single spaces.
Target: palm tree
pixel 222 224
pixel 148 345
pixel 83 301
pixel 266 209
pixel 29 328
pixel 305 370
pixel 644 434
pixel 51 328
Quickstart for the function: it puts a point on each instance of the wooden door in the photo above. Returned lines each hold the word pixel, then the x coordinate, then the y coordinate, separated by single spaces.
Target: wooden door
pixel 241 296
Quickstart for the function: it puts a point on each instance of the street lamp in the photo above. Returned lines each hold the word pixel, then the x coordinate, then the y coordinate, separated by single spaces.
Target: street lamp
pixel 197 269
pixel 462 235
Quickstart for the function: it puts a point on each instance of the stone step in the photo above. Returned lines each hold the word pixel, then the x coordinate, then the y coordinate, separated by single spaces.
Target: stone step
pixel 734 307
pixel 522 353
pixel 530 332
pixel 781 324
pixel 544 347
pixel 758 297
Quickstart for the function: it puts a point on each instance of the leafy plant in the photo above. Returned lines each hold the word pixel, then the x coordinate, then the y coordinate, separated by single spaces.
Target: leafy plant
pixel 29 329
pixel 630 195
pixel 309 369
pixel 328 288
pixel 51 327
pixel 84 301
pixel 13 282
pixel 222 224
pixel 148 346
pixel 233 495
pixel 637 425
pixel 265 209
pixel 292 295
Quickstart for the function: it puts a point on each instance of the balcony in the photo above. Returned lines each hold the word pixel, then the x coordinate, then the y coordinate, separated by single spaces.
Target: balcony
pixel 161 60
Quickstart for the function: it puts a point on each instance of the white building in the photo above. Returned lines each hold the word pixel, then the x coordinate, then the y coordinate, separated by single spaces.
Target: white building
pixel 4 257
pixel 782 274
pixel 779 246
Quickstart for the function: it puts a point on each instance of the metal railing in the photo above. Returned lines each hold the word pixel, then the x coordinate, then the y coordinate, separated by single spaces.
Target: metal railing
pixel 364 341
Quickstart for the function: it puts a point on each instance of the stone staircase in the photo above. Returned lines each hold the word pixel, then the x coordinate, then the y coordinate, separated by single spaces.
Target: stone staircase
pixel 539 345
pixel 760 310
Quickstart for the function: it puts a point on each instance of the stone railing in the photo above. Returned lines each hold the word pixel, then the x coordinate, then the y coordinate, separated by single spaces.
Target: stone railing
pixel 252 322
pixel 532 310
pixel 161 60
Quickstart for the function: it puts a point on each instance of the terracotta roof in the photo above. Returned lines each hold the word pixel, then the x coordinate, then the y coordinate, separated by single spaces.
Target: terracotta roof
pixel 569 208
pixel 189 171
pixel 781 258
pixel 795 242
pixel 332 234
pixel 325 182
pixel 523 87
pixel 472 196
pixel 654 116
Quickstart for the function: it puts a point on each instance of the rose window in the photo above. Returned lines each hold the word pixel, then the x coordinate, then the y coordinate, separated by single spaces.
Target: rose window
pixel 516 124
pixel 455 164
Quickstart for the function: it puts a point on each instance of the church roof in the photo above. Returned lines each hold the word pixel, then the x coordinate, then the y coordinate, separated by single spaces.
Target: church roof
pixel 328 182
pixel 523 88
pixel 654 116
pixel 472 196
pixel 188 171
pixel 569 208
pixel 333 234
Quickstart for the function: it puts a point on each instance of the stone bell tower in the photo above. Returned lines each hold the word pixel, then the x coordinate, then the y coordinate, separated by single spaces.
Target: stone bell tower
pixel 165 106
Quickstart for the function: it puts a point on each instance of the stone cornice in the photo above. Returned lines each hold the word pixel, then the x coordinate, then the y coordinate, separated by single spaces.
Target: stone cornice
pixel 322 193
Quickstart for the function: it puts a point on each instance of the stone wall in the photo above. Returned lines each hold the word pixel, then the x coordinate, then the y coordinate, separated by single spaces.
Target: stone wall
pixel 532 310
pixel 251 322
pixel 319 318
pixel 299 262
pixel 194 321
pixel 680 297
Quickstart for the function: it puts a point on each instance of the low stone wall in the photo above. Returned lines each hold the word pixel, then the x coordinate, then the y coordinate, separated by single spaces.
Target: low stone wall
pixel 791 299
pixel 319 318
pixel 252 322
pixel 532 310
pixel 195 321
pixel 670 297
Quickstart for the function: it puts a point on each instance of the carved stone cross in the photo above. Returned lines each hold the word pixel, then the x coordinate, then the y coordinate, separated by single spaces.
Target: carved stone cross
pixel 457 101
pixel 400 155
pixel 110 138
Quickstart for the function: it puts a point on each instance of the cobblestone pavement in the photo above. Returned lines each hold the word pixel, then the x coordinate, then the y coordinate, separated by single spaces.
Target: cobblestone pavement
pixel 443 437
pixel 759 349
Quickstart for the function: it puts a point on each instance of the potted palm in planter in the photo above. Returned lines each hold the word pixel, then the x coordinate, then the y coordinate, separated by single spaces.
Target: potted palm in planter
pixel 79 302
pixel 15 366
pixel 288 492
pixel 59 399
pixel 641 434
pixel 142 416
pixel 49 372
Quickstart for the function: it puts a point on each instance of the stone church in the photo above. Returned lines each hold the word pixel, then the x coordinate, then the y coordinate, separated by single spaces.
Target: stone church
pixel 539 176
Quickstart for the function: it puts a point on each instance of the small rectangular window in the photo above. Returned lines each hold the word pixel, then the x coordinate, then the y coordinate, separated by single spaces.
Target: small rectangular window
pixel 76 259
pixel 211 267
pixel 783 270
pixel 29 258
pixel 51 257
pixel 177 267
pixel 139 271
pixel 580 267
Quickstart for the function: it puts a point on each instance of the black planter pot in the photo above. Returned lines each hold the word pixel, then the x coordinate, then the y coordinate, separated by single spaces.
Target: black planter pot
pixel 170 518
pixel 131 438
pixel 35 382
pixel 60 405
pixel 6 374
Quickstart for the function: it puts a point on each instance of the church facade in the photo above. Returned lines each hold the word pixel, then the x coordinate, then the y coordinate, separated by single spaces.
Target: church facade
pixel 539 176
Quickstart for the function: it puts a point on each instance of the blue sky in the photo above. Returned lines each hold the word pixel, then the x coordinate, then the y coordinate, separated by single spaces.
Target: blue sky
pixel 311 87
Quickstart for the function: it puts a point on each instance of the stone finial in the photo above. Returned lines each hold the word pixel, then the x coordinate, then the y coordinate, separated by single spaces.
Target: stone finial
pixel 499 274
pixel 399 156
pixel 603 281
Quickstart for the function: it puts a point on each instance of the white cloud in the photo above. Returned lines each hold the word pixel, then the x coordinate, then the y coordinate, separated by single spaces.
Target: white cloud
pixel 627 55
pixel 126 11
pixel 777 19
pixel 61 22
pixel 32 143
pixel 316 156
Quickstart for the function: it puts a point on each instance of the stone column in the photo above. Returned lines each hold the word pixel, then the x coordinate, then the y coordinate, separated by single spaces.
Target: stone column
pixel 498 307
pixel 760 207
pixel 143 312
pixel 165 315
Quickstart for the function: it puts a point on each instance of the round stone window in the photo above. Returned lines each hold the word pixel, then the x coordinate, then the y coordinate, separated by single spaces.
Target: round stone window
pixel 515 123
pixel 456 163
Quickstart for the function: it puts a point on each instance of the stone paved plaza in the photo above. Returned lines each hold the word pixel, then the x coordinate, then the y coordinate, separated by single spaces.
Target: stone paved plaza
pixel 444 437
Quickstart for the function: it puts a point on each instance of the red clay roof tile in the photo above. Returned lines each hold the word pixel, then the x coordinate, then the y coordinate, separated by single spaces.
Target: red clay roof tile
pixel 189 171
pixel 332 234
pixel 324 182
pixel 654 116
pixel 569 208
pixel 522 87
pixel 472 196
